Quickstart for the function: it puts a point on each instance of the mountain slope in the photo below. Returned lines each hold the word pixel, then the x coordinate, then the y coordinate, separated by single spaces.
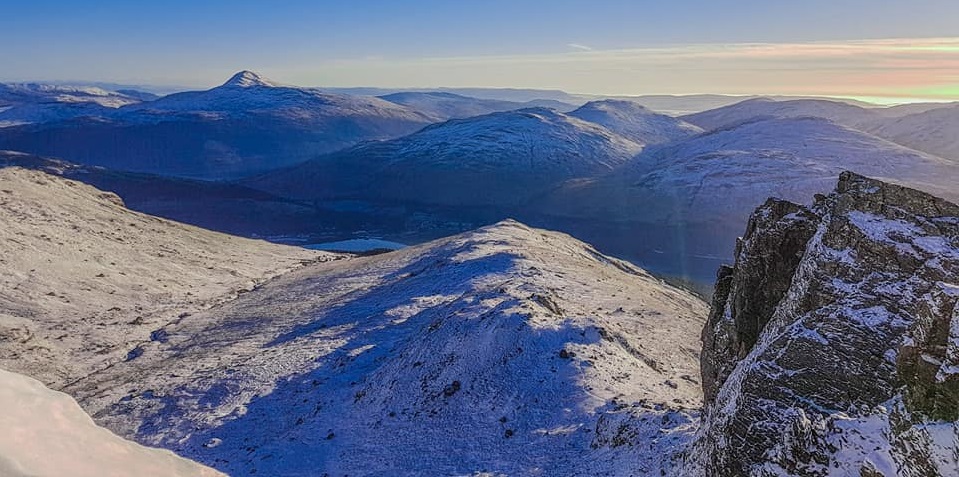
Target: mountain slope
pixel 84 280
pixel 46 434
pixel 443 105
pixel 221 206
pixel 500 159
pixel 632 121
pixel 247 125
pixel 507 350
pixel 837 331
pixel 704 188
pixel 933 131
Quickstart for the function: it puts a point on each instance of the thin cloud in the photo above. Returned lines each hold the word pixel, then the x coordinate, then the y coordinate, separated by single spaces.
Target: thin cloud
pixel 579 46
pixel 923 68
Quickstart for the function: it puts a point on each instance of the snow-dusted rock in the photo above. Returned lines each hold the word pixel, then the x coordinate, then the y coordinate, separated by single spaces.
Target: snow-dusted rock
pixel 83 280
pixel 504 351
pixel 46 434
pixel 632 121
pixel 831 346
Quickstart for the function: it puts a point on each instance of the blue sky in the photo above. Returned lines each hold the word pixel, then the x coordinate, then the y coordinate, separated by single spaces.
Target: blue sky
pixel 463 43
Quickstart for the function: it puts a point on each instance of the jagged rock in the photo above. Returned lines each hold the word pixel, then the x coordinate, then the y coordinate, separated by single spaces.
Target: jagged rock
pixel 766 259
pixel 843 362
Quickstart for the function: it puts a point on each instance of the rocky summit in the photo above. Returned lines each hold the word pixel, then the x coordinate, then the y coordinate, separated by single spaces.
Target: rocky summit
pixel 832 346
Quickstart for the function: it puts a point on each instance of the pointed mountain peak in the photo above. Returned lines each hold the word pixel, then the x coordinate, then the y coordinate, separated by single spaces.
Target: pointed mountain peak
pixel 247 79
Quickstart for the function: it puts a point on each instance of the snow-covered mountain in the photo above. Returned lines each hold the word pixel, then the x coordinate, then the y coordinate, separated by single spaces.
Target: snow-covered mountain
pixel 249 94
pixel 935 131
pixel 25 93
pixel 635 122
pixel 750 110
pixel 500 159
pixel 47 434
pixel 443 105
pixel 247 125
pixel 704 188
pixel 25 103
pixel 926 127
pixel 505 351
pixel 84 279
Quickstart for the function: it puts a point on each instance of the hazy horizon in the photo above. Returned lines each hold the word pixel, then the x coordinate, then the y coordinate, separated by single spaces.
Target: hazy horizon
pixel 885 52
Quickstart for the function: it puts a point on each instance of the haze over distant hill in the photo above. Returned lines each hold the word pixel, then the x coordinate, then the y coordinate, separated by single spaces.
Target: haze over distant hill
pixel 932 130
pixel 633 121
pixel 444 105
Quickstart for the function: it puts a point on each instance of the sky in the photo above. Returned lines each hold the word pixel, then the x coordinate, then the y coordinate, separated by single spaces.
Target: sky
pixel 888 50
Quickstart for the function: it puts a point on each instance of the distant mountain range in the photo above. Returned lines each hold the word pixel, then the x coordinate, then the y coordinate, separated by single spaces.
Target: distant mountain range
pixel 925 127
pixel 306 164
pixel 443 105
pixel 245 126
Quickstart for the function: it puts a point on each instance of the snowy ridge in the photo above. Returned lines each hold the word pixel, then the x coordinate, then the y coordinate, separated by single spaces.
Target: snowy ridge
pixel 26 103
pixel 83 279
pixel 507 350
pixel 47 434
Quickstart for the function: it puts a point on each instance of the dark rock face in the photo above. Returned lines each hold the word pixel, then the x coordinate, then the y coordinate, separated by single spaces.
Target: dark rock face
pixel 833 344
pixel 746 295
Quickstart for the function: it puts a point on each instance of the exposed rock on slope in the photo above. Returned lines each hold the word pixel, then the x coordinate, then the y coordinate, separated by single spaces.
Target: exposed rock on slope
pixel 83 280
pixel 501 159
pixel 833 344
pixel 507 350
pixel 46 434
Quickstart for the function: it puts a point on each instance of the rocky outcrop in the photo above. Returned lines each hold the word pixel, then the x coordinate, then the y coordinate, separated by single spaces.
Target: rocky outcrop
pixel 766 259
pixel 832 347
